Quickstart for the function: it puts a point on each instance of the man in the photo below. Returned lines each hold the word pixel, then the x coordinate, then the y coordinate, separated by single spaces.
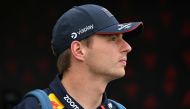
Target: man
pixel 90 49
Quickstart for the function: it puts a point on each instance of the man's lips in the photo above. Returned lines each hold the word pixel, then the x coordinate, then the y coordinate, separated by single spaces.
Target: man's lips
pixel 123 61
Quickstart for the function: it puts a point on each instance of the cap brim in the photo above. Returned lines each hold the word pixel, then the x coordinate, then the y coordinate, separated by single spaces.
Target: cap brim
pixel 123 28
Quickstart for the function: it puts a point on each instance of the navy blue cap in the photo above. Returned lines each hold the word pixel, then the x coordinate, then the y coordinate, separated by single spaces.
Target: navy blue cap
pixel 82 21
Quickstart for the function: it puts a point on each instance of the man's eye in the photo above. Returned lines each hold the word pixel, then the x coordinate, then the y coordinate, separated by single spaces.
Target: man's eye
pixel 113 38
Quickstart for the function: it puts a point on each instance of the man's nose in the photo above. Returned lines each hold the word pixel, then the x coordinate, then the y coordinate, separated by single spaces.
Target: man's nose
pixel 125 47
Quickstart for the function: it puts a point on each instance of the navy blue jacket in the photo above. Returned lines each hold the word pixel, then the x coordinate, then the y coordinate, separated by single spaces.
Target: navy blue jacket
pixel 59 98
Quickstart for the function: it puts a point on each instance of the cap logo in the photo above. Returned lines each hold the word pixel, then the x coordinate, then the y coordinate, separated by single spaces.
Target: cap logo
pixel 81 31
pixel 124 26
pixel 74 35
pixel 107 12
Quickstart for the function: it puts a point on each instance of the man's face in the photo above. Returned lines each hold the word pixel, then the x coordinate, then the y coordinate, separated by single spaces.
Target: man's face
pixel 107 56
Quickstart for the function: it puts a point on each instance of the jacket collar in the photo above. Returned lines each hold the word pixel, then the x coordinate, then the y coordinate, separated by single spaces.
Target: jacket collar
pixel 58 89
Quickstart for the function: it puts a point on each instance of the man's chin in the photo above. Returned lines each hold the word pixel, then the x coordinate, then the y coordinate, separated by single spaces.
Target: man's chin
pixel 119 75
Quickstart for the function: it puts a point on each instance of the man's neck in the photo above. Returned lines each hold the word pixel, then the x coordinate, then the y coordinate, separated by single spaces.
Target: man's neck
pixel 85 88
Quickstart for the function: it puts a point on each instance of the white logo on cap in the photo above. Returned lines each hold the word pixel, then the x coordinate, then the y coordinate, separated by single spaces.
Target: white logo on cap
pixel 74 35
pixel 124 26
pixel 81 31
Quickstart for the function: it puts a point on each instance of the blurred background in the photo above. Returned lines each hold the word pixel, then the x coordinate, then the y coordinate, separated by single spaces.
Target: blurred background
pixel 158 70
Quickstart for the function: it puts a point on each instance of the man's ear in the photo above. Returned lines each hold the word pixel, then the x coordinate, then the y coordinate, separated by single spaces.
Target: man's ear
pixel 77 50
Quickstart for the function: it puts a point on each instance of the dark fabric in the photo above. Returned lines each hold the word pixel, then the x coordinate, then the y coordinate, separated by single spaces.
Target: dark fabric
pixel 57 88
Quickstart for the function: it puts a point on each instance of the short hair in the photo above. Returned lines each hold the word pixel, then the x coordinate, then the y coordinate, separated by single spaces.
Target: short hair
pixel 64 59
